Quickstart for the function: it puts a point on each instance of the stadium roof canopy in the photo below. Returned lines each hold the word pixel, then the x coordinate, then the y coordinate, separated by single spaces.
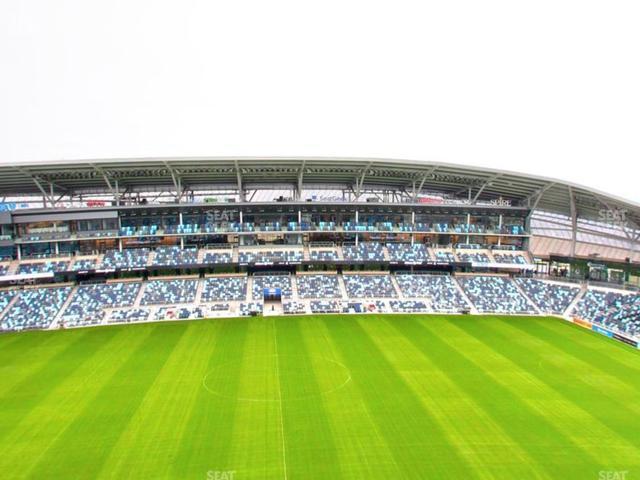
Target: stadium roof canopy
pixel 409 178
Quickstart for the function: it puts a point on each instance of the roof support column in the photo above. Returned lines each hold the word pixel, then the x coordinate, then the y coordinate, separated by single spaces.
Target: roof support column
pixel 298 192
pixel 105 177
pixel 46 196
pixel 241 192
pixel 424 178
pixel 360 181
pixel 574 221
pixel 484 185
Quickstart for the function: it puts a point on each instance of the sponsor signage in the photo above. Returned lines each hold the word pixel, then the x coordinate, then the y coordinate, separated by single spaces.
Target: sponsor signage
pixel 10 206
pixel 626 340
pixel 615 336
pixel 602 331
pixel 582 323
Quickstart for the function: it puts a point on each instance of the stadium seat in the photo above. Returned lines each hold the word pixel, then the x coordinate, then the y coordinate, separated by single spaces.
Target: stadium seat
pixel 440 290
pixel 88 304
pixel 35 308
pixel 408 306
pixel 128 258
pixel 43 267
pixel 407 253
pixel 249 308
pixel 318 286
pixel 293 307
pixel 619 312
pixel 262 282
pixel 363 252
pixel 174 256
pixel 160 292
pixel 218 289
pixel 548 297
pixel 325 306
pixel 369 286
pixel 494 294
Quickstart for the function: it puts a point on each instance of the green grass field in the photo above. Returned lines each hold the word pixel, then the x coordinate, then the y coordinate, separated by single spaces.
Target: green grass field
pixel 320 397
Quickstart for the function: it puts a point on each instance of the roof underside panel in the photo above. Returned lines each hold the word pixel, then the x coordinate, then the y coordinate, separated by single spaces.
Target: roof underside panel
pixel 67 177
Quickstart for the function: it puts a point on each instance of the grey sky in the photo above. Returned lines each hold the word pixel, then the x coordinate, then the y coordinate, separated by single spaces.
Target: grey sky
pixel 550 88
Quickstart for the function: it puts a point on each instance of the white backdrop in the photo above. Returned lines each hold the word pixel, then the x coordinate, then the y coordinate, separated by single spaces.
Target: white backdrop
pixel 547 87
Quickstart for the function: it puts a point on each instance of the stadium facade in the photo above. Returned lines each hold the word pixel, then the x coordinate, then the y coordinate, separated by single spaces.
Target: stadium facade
pixel 141 239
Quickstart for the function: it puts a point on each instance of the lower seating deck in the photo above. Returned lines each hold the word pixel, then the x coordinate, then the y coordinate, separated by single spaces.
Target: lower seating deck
pixel 495 294
pixel 234 294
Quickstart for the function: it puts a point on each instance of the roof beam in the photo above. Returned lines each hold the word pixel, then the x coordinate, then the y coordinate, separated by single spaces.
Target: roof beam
pixel 537 195
pixel 417 191
pixel 47 196
pixel 114 191
pixel 484 185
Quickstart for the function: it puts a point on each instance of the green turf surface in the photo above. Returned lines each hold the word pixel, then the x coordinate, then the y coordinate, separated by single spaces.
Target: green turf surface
pixel 320 397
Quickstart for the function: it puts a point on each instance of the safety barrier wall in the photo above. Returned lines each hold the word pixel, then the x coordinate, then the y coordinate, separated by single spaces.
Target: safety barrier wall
pixel 615 336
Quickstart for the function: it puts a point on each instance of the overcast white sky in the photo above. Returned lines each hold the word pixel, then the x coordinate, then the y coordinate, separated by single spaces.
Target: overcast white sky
pixel 545 87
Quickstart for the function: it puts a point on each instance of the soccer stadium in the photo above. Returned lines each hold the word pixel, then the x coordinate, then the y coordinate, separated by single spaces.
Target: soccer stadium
pixel 315 318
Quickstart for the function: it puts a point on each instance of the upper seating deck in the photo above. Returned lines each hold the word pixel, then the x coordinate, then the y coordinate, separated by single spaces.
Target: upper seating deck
pixel 175 256
pixel 43 267
pixel 270 255
pixel 408 253
pixel 364 252
pixel 127 258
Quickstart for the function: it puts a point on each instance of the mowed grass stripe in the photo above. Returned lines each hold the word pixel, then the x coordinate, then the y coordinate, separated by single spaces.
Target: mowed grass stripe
pixel 206 439
pixel 170 398
pixel 360 447
pixel 616 355
pixel 256 443
pixel 40 428
pixel 491 351
pixel 88 440
pixel 497 386
pixel 609 418
pixel 502 387
pixel 611 390
pixel 419 446
pixel 37 382
pixel 565 337
pixel 309 439
pixel 16 343
pixel 32 357
pixel 465 413
pixel 427 395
